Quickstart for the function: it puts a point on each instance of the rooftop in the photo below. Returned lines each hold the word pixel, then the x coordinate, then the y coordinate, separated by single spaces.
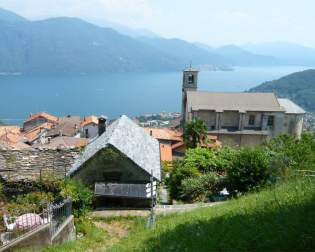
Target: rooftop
pixel 67 126
pixel 242 102
pixel 89 119
pixel 131 140
pixel 290 107
pixel 64 142
pixel 164 134
pixel 45 115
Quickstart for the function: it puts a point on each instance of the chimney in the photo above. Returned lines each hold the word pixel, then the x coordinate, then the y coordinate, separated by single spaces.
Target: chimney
pixel 101 125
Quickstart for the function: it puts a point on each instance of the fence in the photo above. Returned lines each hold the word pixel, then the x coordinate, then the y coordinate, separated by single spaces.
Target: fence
pixel 54 215
pixel 59 212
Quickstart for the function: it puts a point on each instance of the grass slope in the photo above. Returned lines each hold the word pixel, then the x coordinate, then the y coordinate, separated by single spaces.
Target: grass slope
pixel 279 219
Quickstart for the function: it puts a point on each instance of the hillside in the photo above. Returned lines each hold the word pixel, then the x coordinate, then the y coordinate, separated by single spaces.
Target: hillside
pixel 65 45
pixel 185 51
pixel 276 219
pixel 240 57
pixel 300 87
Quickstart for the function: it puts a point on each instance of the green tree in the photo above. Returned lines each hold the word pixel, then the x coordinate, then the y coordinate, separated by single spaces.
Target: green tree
pixel 250 169
pixel 195 132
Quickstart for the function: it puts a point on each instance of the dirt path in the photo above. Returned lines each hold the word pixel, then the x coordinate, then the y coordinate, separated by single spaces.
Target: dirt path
pixel 159 209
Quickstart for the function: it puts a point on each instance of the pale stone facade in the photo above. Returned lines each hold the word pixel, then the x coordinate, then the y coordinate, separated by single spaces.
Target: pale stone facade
pixel 240 118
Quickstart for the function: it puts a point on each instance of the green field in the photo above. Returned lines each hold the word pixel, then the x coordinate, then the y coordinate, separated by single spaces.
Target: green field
pixel 281 218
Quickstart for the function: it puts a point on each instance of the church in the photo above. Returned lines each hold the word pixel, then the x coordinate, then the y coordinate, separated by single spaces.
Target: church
pixel 239 118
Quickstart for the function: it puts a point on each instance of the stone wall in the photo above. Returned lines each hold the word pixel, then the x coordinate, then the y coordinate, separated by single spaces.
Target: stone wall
pixel 32 164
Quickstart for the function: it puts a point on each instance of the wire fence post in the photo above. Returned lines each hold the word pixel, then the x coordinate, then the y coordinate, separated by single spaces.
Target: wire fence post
pixel 151 220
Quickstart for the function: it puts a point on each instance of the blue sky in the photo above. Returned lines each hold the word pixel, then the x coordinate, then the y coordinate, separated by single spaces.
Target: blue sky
pixel 213 22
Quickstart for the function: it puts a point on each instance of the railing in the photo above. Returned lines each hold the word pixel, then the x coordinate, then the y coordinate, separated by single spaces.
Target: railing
pixel 17 227
pixel 60 212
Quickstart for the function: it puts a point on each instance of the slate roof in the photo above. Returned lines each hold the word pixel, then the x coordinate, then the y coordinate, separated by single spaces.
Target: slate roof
pixel 64 142
pixel 131 140
pixel 67 126
pixel 242 102
pixel 290 107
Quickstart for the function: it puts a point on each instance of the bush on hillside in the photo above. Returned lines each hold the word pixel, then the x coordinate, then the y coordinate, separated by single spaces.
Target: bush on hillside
pixel 300 153
pixel 178 174
pixel 206 160
pixel 200 188
pixel 80 195
pixel 250 169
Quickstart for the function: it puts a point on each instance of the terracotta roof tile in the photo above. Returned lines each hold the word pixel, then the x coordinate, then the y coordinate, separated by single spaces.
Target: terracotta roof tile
pixel 89 119
pixel 164 134
pixel 45 115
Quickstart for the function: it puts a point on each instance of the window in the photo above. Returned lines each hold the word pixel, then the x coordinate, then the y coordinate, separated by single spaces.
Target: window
pixel 190 79
pixel 87 133
pixel 270 120
pixel 251 120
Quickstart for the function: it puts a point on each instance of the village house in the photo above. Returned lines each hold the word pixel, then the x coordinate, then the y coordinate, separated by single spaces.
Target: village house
pixel 89 126
pixel 38 119
pixel 120 164
pixel 172 145
pixel 239 118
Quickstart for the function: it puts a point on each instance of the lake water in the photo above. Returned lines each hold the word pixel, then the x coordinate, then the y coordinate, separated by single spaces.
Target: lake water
pixel 116 94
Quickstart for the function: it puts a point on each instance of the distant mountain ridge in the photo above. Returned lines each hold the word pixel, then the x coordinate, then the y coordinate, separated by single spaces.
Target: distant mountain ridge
pixel 288 53
pixel 72 45
pixel 299 87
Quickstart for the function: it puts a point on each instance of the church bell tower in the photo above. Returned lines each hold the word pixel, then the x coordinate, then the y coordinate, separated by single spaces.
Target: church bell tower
pixel 190 80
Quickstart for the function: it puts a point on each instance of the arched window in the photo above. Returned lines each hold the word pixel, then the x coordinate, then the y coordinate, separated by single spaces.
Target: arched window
pixel 191 79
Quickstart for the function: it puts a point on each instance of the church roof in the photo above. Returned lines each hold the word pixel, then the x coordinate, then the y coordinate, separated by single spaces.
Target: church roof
pixel 290 107
pixel 242 102
pixel 129 139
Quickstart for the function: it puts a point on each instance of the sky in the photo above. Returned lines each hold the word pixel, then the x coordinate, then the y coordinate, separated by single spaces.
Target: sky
pixel 215 22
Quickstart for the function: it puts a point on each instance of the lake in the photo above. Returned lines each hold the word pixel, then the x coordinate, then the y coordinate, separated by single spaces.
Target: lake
pixel 116 94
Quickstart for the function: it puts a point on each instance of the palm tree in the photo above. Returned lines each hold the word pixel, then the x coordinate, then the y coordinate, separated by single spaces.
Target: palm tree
pixel 195 133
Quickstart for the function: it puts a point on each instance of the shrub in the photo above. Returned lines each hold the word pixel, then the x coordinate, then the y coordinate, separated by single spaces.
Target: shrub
pixel 250 169
pixel 200 188
pixel 300 153
pixel 30 202
pixel 210 160
pixel 80 195
pixel 179 173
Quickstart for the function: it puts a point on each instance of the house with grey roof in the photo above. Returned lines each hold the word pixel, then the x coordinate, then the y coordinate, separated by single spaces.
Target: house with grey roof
pixel 119 164
pixel 239 118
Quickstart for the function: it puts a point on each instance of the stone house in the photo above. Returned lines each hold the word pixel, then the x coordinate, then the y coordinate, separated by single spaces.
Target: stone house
pixel 239 118
pixel 118 164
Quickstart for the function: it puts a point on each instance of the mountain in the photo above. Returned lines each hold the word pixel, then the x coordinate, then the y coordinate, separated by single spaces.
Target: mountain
pixel 65 45
pixel 289 53
pixel 237 56
pixel 240 57
pixel 8 16
pixel 185 51
pixel 299 87
pixel 123 29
